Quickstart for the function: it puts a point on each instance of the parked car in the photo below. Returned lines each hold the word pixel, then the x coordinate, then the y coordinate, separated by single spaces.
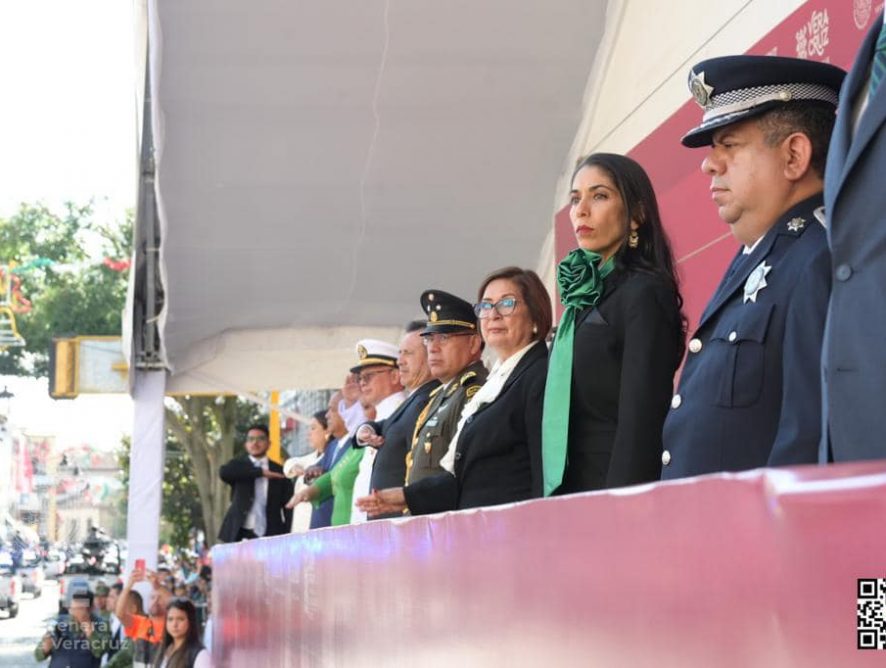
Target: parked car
pixel 10 585
pixel 31 573
pixel 54 564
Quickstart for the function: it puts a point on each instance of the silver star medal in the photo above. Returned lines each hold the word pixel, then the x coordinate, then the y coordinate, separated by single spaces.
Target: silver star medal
pixel 756 282
pixel 796 224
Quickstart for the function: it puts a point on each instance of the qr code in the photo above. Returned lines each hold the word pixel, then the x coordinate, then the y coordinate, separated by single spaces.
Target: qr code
pixel 871 613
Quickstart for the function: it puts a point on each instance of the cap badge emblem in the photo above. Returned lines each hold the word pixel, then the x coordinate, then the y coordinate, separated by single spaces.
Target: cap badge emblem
pixel 700 90
pixel 433 316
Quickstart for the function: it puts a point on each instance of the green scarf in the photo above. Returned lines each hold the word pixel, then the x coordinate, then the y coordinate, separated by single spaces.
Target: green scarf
pixel 581 285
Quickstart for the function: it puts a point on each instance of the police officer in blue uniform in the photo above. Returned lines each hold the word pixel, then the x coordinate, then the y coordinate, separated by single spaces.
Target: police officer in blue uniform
pixel 750 392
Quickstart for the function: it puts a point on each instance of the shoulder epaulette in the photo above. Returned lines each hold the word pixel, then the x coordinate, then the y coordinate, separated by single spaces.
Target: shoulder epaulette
pixel 466 377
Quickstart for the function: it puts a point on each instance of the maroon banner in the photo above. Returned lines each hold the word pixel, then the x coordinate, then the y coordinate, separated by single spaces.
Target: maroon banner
pixel 825 30
pixel 752 569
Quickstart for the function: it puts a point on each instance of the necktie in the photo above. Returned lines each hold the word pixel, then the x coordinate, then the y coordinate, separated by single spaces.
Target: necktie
pixel 878 67
pixel 737 263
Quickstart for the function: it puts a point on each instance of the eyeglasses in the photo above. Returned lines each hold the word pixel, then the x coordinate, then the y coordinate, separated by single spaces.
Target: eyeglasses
pixel 503 307
pixel 365 378
pixel 431 339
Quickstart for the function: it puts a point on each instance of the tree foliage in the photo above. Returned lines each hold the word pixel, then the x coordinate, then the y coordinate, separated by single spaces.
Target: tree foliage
pixel 88 301
pixel 181 512
pixel 202 432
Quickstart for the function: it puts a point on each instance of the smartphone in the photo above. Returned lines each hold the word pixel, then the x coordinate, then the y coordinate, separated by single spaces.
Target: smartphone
pixel 140 565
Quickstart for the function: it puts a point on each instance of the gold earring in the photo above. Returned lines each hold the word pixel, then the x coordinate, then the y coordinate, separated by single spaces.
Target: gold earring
pixel 633 239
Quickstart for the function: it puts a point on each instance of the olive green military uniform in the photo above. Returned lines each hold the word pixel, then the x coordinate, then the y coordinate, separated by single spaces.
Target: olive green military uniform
pixel 437 423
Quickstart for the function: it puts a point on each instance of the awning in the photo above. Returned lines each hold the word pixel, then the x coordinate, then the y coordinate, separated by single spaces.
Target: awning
pixel 319 164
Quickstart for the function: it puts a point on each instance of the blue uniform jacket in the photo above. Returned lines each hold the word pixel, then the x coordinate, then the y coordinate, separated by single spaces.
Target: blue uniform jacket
pixel 750 393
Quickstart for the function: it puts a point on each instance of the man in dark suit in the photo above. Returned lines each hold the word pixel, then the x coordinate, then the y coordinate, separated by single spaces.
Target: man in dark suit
pixel 749 394
pixel 854 357
pixel 259 492
pixel 393 436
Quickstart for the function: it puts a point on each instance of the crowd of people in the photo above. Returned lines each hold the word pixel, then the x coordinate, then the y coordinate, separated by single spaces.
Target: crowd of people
pixel 424 427
pixel 113 626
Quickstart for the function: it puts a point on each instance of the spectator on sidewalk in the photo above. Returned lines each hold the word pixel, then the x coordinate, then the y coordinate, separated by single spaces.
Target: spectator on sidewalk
pixel 181 646
pixel 146 631
pixel 78 639
pixel 123 657
pixel 114 626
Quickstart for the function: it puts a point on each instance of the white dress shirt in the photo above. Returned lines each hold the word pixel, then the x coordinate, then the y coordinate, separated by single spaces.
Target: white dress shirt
pixel 301 515
pixel 488 393
pixel 353 415
pixel 257 518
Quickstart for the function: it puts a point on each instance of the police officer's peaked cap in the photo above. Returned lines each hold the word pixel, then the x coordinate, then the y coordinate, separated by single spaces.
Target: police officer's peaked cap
pixel 372 352
pixel 447 313
pixel 734 88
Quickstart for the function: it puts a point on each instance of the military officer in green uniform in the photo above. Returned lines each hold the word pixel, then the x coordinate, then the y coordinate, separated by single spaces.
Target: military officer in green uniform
pixel 454 347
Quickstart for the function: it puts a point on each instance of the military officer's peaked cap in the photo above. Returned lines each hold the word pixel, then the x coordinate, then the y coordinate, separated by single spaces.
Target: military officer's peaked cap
pixel 734 88
pixel 372 352
pixel 447 313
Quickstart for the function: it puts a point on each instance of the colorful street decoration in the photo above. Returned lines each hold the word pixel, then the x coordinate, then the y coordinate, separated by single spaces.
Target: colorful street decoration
pixel 13 301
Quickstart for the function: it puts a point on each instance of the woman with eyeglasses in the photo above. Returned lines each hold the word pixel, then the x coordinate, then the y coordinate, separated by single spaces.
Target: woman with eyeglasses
pixel 495 455
pixel 621 336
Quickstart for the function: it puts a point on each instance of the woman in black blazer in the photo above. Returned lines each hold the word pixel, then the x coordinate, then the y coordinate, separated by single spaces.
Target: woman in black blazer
pixel 495 455
pixel 627 334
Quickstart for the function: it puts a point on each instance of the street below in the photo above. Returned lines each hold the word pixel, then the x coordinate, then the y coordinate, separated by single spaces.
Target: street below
pixel 19 636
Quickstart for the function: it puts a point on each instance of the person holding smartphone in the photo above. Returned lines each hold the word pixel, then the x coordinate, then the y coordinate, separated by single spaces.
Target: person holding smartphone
pixel 146 631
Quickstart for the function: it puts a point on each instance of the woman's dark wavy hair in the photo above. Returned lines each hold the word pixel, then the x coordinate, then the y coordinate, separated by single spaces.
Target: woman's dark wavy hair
pixel 181 657
pixel 320 416
pixel 653 252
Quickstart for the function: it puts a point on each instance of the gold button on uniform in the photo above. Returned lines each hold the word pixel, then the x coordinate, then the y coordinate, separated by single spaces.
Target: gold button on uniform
pixel 665 458
pixel 676 401
pixel 695 346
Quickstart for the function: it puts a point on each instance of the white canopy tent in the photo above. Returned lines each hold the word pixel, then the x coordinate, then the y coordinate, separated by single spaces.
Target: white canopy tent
pixel 319 164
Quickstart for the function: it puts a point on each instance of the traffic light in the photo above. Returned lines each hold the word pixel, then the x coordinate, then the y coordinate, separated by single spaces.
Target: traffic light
pixel 63 368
